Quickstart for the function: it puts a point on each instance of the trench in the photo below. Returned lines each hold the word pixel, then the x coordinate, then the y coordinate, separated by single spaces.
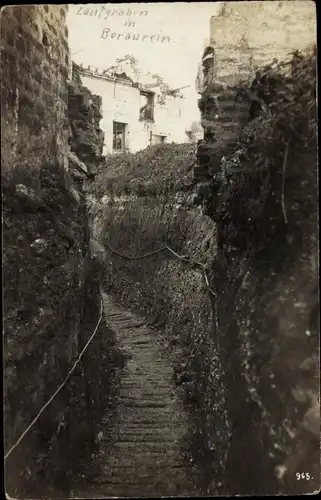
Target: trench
pixel 245 426
pixel 142 444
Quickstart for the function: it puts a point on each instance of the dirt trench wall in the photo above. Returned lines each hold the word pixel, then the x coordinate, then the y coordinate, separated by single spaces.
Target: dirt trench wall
pixel 51 287
pixel 267 286
pixel 48 281
pixel 263 197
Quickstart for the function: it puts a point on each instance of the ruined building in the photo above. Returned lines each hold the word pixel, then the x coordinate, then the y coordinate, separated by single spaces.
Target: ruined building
pixel 134 115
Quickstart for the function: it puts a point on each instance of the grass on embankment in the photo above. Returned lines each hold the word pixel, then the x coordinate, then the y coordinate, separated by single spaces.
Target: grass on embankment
pixel 154 170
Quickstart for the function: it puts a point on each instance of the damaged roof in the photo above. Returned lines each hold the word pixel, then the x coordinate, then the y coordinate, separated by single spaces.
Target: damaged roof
pixel 122 77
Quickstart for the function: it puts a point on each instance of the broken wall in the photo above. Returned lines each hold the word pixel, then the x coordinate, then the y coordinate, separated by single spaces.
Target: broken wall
pixel 266 269
pixel 246 35
pixel 243 37
pixel 86 138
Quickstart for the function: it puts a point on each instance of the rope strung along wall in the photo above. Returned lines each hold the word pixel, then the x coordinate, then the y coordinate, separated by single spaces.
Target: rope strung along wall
pixel 183 258
pixel 59 388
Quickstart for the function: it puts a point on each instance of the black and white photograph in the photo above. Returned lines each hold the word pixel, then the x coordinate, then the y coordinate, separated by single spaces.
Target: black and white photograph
pixel 160 250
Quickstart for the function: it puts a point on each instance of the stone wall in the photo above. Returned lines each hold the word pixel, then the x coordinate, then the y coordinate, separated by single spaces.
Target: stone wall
pixel 266 280
pixel 35 57
pixel 246 35
pixel 51 287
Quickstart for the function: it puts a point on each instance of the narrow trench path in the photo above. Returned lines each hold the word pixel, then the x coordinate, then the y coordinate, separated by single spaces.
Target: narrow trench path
pixel 144 456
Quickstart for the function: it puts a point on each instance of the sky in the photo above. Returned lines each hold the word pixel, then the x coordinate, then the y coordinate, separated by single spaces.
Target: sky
pixel 175 36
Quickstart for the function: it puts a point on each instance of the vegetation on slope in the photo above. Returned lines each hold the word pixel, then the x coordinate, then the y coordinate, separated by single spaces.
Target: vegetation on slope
pixel 265 203
pixel 154 170
pixel 282 132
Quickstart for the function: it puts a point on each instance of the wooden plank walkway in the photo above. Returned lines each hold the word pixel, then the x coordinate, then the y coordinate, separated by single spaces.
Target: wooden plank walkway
pixel 144 456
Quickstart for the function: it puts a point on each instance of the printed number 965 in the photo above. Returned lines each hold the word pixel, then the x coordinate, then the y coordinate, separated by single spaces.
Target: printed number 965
pixel 303 475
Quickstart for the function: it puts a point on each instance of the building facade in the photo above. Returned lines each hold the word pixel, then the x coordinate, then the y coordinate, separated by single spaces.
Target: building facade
pixel 134 115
